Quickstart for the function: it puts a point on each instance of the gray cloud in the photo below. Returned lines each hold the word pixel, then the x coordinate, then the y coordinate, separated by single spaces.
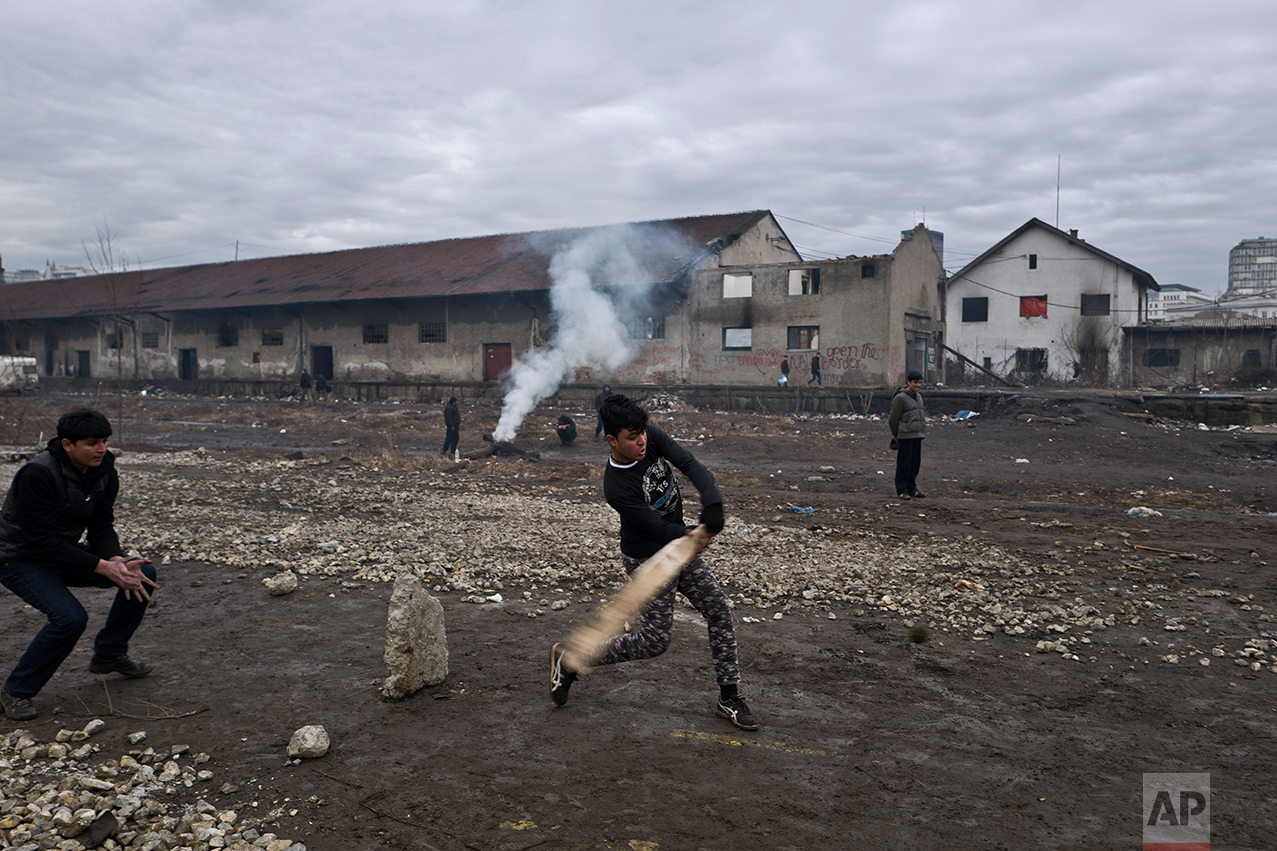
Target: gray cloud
pixel 296 127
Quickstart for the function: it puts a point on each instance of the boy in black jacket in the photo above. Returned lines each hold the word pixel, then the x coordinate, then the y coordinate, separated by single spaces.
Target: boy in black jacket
pixel 64 492
pixel 639 483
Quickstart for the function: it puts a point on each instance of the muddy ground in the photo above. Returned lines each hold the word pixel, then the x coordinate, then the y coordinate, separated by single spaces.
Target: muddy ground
pixel 971 740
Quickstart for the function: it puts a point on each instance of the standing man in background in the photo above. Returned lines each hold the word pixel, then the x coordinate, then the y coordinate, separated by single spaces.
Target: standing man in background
pixel 452 427
pixel 598 406
pixel 308 393
pixel 908 424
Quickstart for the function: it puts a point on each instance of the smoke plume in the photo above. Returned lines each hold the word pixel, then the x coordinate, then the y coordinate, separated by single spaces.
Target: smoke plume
pixel 588 324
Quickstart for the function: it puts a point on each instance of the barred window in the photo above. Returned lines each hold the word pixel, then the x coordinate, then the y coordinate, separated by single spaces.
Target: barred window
pixel 227 338
pixel 150 339
pixel 376 333
pixel 647 328
pixel 1095 305
pixel 272 336
pixel 433 332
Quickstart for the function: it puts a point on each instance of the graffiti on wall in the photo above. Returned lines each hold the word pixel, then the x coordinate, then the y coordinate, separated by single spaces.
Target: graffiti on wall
pixel 709 362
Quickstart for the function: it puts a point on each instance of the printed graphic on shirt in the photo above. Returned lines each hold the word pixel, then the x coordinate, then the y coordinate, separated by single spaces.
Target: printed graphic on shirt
pixel 660 488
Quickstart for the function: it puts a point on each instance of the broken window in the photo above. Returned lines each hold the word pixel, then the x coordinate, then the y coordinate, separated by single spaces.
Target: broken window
pixel 738 286
pixel 378 332
pixel 227 337
pixel 647 328
pixel 867 270
pixel 975 309
pixel 738 338
pixel 1162 358
pixel 804 281
pixel 1032 306
pixel 272 336
pixel 21 344
pixel 1033 261
pixel 1250 359
pixel 1030 362
pixel 1095 305
pixel 150 339
pixel 433 332
pixel 804 338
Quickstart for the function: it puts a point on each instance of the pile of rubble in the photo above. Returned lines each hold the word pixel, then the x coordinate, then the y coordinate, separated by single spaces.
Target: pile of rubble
pixel 63 795
pixel 478 535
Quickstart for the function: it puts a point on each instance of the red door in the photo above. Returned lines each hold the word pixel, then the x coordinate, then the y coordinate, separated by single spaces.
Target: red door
pixel 496 361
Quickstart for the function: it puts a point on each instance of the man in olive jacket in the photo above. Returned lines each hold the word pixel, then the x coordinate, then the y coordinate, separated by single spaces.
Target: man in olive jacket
pixel 908 423
pixel 66 492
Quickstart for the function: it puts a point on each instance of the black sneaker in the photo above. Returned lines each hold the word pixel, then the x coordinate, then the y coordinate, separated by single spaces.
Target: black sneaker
pixel 18 708
pixel 735 710
pixel 903 496
pixel 126 665
pixel 561 678
pixel 918 495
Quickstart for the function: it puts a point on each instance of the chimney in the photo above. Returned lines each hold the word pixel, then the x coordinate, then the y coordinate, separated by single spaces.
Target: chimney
pixel 1073 232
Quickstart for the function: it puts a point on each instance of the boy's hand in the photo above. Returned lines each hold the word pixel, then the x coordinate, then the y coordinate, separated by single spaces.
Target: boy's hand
pixel 712 517
pixel 702 537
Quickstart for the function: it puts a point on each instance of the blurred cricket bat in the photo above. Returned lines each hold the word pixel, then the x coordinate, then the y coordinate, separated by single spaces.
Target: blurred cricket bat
pixel 584 646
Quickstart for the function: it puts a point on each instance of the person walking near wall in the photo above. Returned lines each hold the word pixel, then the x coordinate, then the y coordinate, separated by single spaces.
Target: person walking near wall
pixel 598 405
pixel 784 371
pixel 815 371
pixel 308 392
pixel 452 427
pixel 908 424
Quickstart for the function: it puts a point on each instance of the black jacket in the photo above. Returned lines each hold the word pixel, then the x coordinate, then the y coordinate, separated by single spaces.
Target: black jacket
pixel 451 417
pixel 51 505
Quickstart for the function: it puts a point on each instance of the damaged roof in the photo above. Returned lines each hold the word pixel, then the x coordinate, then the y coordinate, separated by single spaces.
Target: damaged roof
pixel 663 250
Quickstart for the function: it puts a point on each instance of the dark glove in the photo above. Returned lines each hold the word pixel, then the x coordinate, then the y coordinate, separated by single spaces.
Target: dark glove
pixel 712 517
pixel 895 444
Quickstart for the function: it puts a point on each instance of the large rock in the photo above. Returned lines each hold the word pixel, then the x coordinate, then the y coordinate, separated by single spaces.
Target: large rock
pixel 309 742
pixel 416 645
pixel 281 583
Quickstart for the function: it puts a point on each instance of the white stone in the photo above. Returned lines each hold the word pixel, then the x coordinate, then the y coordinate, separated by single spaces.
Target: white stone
pixel 281 583
pixel 309 742
pixel 416 653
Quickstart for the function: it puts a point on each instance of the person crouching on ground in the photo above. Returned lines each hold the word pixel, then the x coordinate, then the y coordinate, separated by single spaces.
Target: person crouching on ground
pixel 639 484
pixel 65 491
pixel 566 430
pixel 908 424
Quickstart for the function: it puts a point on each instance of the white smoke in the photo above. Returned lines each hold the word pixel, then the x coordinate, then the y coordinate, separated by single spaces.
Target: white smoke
pixel 588 324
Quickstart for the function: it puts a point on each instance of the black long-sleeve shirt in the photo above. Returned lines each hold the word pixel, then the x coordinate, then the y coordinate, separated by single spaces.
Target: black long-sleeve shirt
pixel 646 496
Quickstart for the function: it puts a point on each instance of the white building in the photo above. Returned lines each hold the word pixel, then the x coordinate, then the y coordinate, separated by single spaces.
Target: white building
pixel 1252 267
pixel 1043 304
pixel 1174 301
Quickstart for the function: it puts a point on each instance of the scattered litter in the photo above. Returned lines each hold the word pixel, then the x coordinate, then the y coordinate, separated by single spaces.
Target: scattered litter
pixel 1141 511
pixel 964 415
pixel 1021 460
pixel 495 598
pixel 797 510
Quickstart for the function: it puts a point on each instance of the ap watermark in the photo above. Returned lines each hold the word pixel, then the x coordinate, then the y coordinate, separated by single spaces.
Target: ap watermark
pixel 1176 812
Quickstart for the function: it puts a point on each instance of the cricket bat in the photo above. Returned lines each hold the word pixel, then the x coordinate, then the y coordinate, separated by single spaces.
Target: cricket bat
pixel 584 646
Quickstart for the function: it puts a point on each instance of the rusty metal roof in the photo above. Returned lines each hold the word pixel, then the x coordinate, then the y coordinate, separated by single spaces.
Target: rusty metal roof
pixel 663 249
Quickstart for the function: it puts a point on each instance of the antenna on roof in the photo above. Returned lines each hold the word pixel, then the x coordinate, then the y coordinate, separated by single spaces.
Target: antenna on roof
pixel 1058 158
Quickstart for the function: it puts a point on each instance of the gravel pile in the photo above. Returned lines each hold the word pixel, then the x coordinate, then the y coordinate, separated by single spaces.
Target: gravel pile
pixel 475 533
pixel 62 795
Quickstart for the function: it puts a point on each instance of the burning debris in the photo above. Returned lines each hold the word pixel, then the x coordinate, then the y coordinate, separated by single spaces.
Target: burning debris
pixel 504 449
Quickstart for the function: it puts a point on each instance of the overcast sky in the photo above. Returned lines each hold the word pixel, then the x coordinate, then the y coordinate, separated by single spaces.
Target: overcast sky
pixel 295 127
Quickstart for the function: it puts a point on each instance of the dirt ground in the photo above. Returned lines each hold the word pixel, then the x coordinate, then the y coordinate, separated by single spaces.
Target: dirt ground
pixel 867 739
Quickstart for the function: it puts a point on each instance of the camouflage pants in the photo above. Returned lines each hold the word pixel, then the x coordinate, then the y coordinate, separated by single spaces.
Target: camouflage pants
pixel 655 628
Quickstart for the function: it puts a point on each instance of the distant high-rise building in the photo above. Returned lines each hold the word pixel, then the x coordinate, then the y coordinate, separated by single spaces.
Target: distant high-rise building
pixel 1252 267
